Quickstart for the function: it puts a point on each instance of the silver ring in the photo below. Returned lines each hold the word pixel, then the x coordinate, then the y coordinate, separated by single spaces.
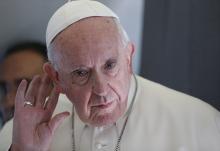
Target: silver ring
pixel 28 103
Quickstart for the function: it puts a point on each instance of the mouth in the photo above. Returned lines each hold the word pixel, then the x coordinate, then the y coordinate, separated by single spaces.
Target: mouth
pixel 103 106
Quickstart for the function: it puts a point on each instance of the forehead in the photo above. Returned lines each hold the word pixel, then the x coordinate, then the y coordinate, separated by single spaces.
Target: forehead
pixel 21 64
pixel 88 30
pixel 91 37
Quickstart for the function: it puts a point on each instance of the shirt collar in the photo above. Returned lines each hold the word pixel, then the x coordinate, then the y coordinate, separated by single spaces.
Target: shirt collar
pixel 130 95
pixel 121 120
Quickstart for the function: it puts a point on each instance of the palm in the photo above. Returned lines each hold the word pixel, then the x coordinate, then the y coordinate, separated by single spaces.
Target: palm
pixel 35 122
pixel 34 126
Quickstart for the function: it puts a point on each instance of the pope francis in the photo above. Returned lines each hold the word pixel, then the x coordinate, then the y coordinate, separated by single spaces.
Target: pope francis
pixel 96 103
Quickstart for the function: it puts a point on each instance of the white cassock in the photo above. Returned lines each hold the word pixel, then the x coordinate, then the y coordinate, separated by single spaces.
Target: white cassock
pixel 161 119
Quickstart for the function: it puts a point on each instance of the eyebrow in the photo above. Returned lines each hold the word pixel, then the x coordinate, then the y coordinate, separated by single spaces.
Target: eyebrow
pixel 81 66
pixel 115 58
pixel 112 59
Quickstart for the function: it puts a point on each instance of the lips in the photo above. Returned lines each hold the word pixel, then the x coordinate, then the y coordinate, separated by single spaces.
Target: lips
pixel 104 105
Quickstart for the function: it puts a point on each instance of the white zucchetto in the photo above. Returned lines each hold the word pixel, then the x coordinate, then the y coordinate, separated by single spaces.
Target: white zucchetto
pixel 72 12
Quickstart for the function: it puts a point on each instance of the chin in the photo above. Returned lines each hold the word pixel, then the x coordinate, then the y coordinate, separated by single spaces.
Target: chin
pixel 103 120
pixel 107 115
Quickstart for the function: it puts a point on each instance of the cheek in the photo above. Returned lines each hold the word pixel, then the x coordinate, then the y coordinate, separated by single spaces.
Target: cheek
pixel 80 98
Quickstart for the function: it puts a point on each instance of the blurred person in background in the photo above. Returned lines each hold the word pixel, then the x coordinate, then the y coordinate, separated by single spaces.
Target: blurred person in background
pixel 20 61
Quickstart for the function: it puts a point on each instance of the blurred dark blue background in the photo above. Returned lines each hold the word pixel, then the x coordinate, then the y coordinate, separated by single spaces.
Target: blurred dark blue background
pixel 181 46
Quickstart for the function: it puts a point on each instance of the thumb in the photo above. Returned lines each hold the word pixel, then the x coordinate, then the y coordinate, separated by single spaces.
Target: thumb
pixel 57 120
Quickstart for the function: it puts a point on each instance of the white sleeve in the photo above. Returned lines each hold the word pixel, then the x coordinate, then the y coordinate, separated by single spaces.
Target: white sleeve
pixel 6 136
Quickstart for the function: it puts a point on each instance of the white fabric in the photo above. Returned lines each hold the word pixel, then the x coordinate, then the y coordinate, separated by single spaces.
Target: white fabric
pixel 72 12
pixel 161 120
pixel 94 138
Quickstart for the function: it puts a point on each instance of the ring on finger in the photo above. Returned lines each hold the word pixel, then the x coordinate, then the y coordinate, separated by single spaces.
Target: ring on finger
pixel 28 103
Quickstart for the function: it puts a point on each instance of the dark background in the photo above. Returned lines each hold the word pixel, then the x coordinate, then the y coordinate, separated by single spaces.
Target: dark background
pixel 181 46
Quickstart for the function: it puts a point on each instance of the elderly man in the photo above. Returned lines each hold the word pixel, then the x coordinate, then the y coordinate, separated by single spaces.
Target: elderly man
pixel 113 109
pixel 21 61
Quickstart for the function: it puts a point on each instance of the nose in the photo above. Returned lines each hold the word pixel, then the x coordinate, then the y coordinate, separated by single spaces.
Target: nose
pixel 100 85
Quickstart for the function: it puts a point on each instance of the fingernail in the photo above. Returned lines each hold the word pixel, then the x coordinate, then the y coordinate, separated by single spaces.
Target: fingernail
pixel 23 81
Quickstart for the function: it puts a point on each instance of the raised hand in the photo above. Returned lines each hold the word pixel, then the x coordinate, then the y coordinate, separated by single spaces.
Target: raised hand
pixel 34 125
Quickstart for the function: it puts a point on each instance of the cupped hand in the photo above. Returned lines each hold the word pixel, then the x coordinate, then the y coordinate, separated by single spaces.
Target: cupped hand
pixel 33 125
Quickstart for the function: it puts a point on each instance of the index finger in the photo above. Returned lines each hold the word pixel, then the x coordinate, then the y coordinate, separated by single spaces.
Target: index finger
pixel 19 98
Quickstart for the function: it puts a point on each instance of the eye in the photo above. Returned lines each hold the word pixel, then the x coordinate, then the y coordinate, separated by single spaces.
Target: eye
pixel 80 73
pixel 110 65
pixel 80 76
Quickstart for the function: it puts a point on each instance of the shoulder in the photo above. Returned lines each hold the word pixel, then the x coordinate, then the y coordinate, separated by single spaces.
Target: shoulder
pixel 158 94
pixel 161 112
pixel 160 101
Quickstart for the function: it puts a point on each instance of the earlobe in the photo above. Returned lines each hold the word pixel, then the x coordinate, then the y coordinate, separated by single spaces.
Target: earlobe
pixel 52 73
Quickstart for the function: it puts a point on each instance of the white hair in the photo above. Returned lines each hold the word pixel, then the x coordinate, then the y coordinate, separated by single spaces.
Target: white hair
pixel 122 33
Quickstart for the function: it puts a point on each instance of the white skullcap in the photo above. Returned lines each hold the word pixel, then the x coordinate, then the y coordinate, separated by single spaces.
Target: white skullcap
pixel 72 12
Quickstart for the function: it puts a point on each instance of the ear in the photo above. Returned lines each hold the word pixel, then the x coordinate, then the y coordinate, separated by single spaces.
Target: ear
pixel 53 74
pixel 130 54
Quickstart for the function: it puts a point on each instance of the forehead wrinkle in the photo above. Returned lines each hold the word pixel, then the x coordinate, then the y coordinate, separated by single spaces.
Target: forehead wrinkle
pixel 83 30
pixel 84 38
